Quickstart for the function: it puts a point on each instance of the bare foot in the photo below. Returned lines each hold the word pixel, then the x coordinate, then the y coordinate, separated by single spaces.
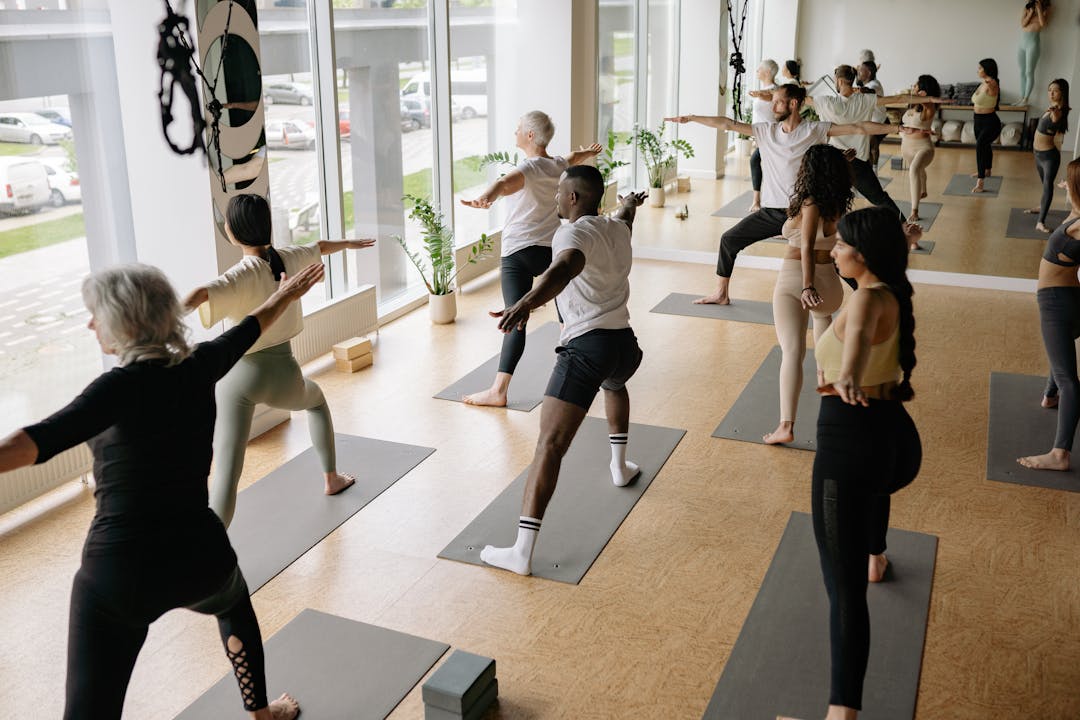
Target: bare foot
pixel 1049 401
pixel 923 196
pixel 975 174
pixel 284 708
pixel 914 217
pixel 1041 228
pixel 754 208
pixel 1056 459
pixel 784 433
pixel 489 398
pixel 978 187
pixel 876 572
pixel 913 233
pixel 717 298
pixel 1033 211
pixel 336 482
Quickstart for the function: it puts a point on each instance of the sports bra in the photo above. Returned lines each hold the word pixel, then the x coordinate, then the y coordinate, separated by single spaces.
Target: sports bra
pixel 792 232
pixel 982 99
pixel 883 365
pixel 1061 242
pixel 913 118
pixel 1047 126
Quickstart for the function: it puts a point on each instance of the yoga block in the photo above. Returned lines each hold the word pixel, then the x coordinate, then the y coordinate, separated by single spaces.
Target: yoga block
pixel 487 697
pixel 352 348
pixel 898 163
pixel 351 366
pixel 459 682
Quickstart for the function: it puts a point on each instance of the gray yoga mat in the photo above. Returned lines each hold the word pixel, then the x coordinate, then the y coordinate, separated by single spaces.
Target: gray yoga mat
pixel 751 311
pixel 585 511
pixel 883 160
pixel 925 247
pixel 961 185
pixel 1022 225
pixel 530 378
pixel 335 668
pixel 928 213
pixel 757 409
pixel 780 662
pixel 737 208
pixel 285 514
pixel 1020 426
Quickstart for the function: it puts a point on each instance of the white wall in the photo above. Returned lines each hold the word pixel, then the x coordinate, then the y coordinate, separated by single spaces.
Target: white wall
pixel 943 38
pixel 703 71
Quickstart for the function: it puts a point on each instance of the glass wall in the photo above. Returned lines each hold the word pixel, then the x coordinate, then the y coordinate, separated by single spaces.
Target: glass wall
pixel 616 87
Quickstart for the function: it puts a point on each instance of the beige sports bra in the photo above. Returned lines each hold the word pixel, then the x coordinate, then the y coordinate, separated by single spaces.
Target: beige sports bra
pixel 913 118
pixel 882 366
pixel 792 232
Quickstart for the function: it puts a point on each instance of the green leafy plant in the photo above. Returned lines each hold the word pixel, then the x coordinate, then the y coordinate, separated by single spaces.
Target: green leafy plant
pixel 605 161
pixel 496 159
pixel 438 241
pixel 658 153
pixel 72 164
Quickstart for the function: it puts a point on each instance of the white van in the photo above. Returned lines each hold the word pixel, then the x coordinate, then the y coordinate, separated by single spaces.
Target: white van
pixel 24 185
pixel 468 88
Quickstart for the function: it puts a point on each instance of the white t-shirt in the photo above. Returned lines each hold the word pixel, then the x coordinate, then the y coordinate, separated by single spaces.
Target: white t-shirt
pixel 781 155
pixel 857 107
pixel 762 109
pixel 247 284
pixel 596 298
pixel 879 112
pixel 533 219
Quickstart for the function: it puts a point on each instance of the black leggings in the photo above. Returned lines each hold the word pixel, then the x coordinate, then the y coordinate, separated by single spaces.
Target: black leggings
pixel 763 224
pixel 864 455
pixel 1059 315
pixel 987 129
pixel 115 597
pixel 518 271
pixel 1047 162
pixel 868 183
pixel 755 170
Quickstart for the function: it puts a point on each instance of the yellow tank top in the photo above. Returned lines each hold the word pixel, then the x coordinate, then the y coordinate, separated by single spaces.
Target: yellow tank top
pixel 883 365
pixel 983 99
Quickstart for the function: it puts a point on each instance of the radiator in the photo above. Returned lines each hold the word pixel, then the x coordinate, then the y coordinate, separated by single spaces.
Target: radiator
pixel 25 484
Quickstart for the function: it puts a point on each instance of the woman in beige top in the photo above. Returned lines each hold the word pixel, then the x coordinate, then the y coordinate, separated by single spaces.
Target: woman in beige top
pixel 917 140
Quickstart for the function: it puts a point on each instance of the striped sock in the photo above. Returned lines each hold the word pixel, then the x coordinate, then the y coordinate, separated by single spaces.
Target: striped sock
pixel 618 448
pixel 622 471
pixel 517 558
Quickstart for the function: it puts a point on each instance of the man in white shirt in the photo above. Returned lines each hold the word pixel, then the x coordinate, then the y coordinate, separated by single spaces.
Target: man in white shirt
pixel 589 279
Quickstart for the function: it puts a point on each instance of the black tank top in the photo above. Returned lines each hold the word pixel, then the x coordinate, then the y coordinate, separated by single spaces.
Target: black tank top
pixel 1061 243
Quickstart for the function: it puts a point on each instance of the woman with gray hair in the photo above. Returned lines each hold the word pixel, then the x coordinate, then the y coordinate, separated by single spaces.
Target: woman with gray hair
pixel 154 544
pixel 527 232
pixel 761 111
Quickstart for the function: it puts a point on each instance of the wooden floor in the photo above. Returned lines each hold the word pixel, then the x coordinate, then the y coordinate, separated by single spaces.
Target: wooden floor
pixel 647 632
pixel 969 232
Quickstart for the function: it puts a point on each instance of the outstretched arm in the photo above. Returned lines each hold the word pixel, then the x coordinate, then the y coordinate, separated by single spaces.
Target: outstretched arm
pixel 508 184
pixel 911 99
pixel 195 298
pixel 719 122
pixel 563 269
pixel 17 450
pixel 861 128
pixel 326 247
pixel 583 154
pixel 628 205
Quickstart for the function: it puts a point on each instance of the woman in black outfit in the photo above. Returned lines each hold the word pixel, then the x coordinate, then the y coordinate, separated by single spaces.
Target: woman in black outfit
pixel 154 544
pixel 985 103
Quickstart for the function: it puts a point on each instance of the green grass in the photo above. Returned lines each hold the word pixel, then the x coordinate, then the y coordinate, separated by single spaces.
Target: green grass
pixel 622 44
pixel 50 232
pixel 18 148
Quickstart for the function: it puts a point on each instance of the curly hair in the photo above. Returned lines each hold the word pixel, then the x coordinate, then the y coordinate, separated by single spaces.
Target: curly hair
pixel 825 179
pixel 877 234
pixel 929 85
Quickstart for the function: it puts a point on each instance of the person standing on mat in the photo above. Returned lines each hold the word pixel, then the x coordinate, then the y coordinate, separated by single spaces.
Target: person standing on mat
pixel 1058 295
pixel 1034 20
pixel 808 283
pixel 866 81
pixel 761 112
pixel 985 101
pixel 1049 134
pixel 526 235
pixel 589 279
pixel 782 146
pixel 268 373
pixel 153 545
pixel 917 140
pixel 867 445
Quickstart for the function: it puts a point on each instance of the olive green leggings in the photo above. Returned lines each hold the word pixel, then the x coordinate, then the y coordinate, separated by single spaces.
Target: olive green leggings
pixel 271 376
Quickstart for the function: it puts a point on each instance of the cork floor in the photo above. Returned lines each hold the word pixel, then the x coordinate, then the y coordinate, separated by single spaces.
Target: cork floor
pixel 647 632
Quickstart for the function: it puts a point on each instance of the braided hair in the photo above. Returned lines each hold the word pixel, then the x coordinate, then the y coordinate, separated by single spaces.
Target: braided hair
pixel 248 217
pixel 877 234
pixel 825 179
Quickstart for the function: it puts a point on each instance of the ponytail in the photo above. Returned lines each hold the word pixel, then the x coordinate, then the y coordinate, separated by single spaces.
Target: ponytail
pixel 277 265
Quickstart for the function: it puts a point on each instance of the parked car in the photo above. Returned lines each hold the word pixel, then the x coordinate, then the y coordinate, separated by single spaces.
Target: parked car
pixel 289 93
pixel 419 109
pixel 64 184
pixel 60 116
pixel 468 88
pixel 344 127
pixel 289 135
pixel 24 185
pixel 31 128
pixel 408 122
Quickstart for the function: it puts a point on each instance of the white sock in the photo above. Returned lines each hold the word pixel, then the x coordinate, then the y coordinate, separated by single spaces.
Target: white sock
pixel 622 472
pixel 518 557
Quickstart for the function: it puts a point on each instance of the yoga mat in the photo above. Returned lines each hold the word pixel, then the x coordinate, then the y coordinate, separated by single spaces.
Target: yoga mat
pixel 585 511
pixel 757 409
pixel 335 668
pixel 737 208
pixel 780 662
pixel 530 378
pixel 1022 225
pixel 928 213
pixel 285 514
pixel 925 247
pixel 883 180
pixel 883 160
pixel 1019 426
pixel 751 311
pixel 961 185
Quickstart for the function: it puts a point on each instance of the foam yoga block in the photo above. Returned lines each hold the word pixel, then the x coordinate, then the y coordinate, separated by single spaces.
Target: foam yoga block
pixel 352 348
pixel 459 683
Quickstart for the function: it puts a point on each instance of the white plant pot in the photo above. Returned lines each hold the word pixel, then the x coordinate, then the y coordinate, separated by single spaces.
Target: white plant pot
pixel 443 308
pixel 743 147
pixel 656 197
pixel 611 197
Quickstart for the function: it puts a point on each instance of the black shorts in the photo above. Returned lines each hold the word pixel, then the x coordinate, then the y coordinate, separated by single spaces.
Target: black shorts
pixel 598 359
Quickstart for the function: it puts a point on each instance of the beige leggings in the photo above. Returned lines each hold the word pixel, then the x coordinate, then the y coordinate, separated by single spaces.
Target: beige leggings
pixel 918 154
pixel 790 319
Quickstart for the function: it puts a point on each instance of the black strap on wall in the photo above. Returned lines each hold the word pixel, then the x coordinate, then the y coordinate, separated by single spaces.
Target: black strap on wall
pixel 736 61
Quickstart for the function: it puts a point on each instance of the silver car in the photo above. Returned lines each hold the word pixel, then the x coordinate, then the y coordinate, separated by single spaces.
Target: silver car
pixel 31 128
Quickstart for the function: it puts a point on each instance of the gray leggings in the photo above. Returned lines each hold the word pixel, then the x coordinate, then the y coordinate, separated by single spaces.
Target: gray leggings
pixel 1059 315
pixel 1047 162
pixel 271 376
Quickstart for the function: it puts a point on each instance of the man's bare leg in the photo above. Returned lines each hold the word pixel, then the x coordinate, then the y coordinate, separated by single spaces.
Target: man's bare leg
pixel 617 409
pixel 720 297
pixel 559 422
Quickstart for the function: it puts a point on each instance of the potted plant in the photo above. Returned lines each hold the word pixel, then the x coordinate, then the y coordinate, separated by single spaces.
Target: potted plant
pixel 607 165
pixel 660 155
pixel 438 241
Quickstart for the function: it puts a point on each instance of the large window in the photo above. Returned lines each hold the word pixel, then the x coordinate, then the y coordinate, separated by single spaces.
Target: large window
pixel 616 86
